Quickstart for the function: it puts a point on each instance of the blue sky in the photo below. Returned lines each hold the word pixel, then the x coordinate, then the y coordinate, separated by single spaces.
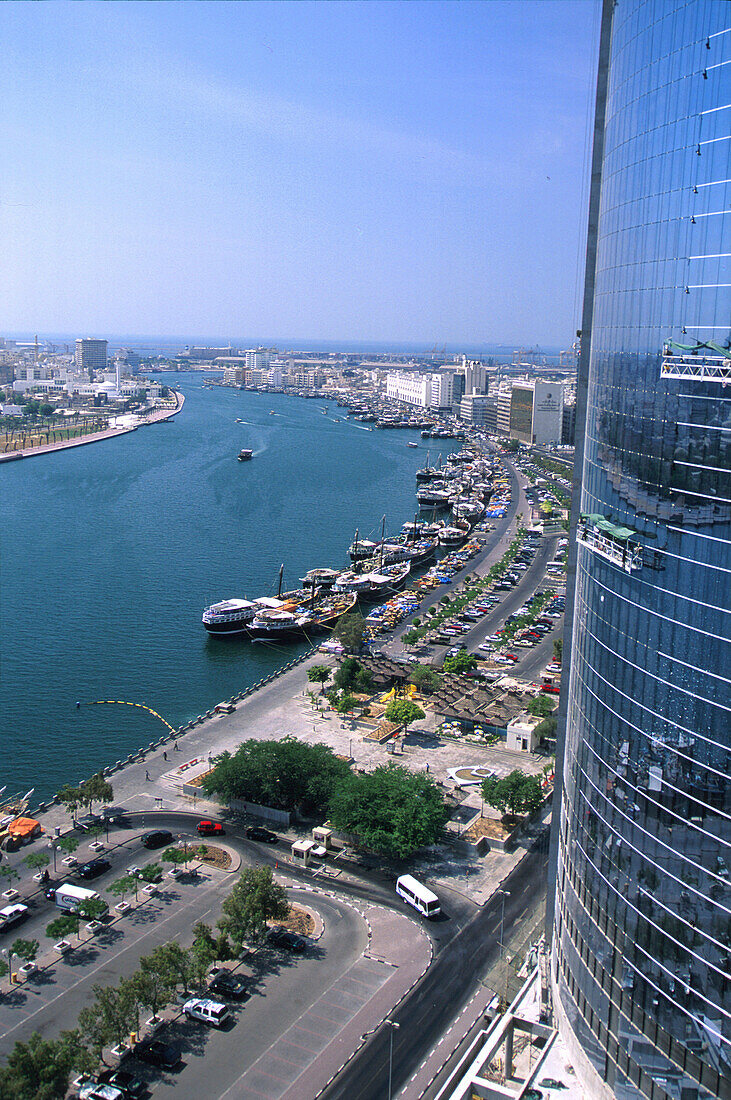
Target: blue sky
pixel 380 171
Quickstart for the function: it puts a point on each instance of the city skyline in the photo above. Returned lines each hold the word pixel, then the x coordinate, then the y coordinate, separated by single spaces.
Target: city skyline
pixel 369 172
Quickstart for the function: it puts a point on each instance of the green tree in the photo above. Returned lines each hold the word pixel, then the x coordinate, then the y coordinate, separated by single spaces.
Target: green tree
pixel 41 1068
pixel 288 774
pixel 111 1017
pixel 345 703
pixel 154 982
pixel 25 949
pixel 403 712
pixel 350 631
pixel 319 674
pixel 173 961
pixel 70 798
pixel 541 706
pixel 547 728
pixel 517 793
pixel 557 649
pixel 7 876
pixel 425 679
pixel 391 810
pixel 37 860
pixel 203 952
pixel 67 844
pixel 459 662
pixel 177 856
pixel 96 789
pixel 123 886
pixel 61 927
pixel 92 909
pixel 46 410
pixel 255 899
pixel 353 676
pixel 151 873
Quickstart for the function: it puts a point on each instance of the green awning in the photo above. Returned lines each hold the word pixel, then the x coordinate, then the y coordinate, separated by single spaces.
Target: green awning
pixel 693 349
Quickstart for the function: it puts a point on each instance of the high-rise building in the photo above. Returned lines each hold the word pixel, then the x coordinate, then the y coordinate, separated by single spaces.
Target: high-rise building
pixel 642 923
pixel 91 356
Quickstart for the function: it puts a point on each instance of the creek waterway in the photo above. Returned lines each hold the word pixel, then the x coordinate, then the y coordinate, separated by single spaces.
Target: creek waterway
pixel 110 552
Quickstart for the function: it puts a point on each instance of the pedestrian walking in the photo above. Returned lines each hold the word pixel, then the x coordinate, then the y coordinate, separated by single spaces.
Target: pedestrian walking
pixel 164 756
pixel 147 775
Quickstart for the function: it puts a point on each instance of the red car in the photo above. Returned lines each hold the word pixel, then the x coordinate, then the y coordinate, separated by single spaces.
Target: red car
pixel 210 828
pixel 512 657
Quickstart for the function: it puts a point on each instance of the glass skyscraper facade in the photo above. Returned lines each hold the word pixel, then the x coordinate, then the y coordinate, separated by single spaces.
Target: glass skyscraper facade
pixel 641 954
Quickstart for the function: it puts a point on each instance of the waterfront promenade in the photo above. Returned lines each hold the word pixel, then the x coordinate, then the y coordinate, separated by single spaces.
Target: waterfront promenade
pixel 126 423
pixel 156 779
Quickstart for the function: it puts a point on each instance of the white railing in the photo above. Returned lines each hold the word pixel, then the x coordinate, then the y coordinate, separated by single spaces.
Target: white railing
pixel 627 555
pixel 704 368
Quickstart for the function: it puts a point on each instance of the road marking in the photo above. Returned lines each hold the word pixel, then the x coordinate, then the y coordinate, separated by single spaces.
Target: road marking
pixel 107 959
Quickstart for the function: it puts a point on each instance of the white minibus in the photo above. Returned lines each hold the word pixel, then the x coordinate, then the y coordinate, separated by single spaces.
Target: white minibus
pixel 413 892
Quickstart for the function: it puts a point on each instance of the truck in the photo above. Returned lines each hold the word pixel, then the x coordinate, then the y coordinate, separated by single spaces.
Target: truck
pixel 71 898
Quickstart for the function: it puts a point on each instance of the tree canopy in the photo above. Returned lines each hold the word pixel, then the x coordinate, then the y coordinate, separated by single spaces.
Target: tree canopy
pixel 288 774
pixel 352 676
pixel 425 679
pixel 541 706
pixel 350 631
pixel 404 712
pixel 41 1068
pixel 390 810
pixel 255 899
pixel 517 792
pixel 318 674
pixel 459 662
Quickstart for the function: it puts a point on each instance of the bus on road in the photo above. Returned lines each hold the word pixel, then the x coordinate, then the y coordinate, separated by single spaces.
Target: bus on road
pixel 413 892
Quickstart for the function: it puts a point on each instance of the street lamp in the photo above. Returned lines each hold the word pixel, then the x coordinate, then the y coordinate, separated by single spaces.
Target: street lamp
pixel 505 894
pixel 394 1027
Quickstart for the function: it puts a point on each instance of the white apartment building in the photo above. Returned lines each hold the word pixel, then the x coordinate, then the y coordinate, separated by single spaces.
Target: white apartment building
pixel 409 387
pixel 258 359
pixel 447 388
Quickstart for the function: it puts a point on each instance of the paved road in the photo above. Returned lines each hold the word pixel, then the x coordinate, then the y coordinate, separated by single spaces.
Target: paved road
pixel 427 1012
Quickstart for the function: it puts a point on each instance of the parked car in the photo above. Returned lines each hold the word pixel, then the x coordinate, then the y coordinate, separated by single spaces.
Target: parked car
pixel 258 832
pixel 210 1012
pixel 157 1053
pixel 228 985
pixel 92 1090
pixel 281 937
pixel 131 1086
pixel 158 838
pixel 12 915
pixel 210 828
pixel 94 868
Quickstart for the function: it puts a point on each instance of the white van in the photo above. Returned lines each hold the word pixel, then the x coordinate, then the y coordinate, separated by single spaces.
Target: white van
pixel 71 898
pixel 418 895
pixel 210 1012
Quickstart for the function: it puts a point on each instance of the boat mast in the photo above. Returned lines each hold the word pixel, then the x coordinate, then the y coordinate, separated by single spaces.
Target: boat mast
pixel 281 575
pixel 383 536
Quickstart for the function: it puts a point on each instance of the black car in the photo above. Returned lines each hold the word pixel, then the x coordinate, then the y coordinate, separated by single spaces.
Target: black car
pixel 93 868
pixel 157 1053
pixel 258 832
pixel 280 937
pixel 229 985
pixel 157 839
pixel 131 1086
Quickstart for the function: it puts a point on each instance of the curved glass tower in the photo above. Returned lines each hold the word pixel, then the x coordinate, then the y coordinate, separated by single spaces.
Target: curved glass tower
pixel 642 923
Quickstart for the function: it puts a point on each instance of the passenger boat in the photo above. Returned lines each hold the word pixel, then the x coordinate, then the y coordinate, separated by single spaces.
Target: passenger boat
pixel 244 455
pixel 235 616
pixel 318 614
pixel 433 498
pixel 373 585
pixel 454 536
pixel 409 444
pixel 321 578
